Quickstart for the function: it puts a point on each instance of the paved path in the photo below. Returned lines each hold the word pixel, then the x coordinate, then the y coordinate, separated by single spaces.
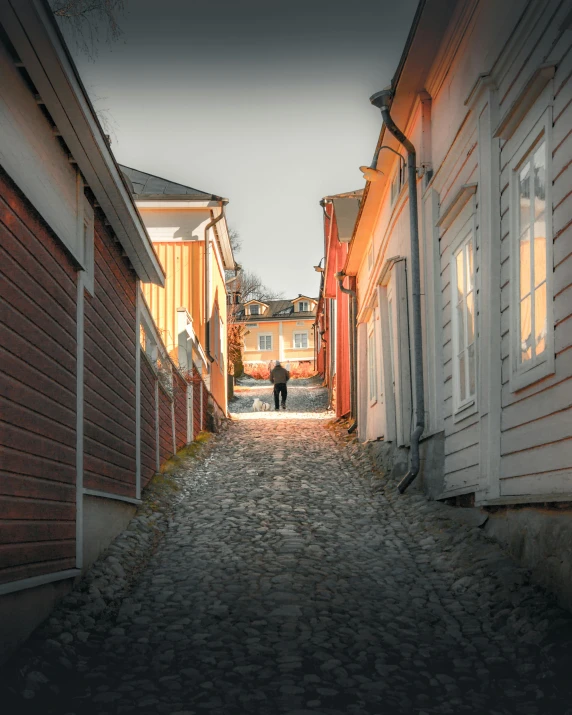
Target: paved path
pixel 284 584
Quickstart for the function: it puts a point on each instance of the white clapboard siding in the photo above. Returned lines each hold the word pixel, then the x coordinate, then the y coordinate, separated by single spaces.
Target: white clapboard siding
pixel 553 455
pixel 463 480
pixel 544 484
pixel 463 438
pixel 552 428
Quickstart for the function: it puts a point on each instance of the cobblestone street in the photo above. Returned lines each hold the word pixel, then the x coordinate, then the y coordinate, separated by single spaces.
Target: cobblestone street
pixel 284 583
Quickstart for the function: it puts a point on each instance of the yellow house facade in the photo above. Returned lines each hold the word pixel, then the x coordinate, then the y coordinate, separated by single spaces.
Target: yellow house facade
pixel 190 235
pixel 281 330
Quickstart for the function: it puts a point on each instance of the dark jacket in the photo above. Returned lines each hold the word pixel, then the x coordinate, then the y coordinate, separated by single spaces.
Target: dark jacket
pixel 279 375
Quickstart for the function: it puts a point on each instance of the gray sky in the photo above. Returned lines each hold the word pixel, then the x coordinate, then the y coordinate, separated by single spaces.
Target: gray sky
pixel 263 103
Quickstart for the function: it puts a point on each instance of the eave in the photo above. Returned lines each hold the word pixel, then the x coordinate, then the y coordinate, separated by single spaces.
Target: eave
pixel 33 32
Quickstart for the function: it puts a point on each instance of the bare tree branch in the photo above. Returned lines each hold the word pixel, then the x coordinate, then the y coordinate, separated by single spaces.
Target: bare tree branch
pixel 86 20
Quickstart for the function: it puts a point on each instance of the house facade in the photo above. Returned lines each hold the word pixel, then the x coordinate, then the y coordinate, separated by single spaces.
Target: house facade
pixel 281 330
pixel 483 92
pixel 333 312
pixel 88 416
pixel 190 235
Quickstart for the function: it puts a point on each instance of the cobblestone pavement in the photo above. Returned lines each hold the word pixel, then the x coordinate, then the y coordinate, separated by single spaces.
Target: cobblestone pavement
pixel 285 584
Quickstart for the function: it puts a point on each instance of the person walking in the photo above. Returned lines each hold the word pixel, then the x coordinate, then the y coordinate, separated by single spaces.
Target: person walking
pixel 279 376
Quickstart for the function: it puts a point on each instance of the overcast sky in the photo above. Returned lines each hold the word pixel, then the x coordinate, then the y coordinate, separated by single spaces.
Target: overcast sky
pixel 265 103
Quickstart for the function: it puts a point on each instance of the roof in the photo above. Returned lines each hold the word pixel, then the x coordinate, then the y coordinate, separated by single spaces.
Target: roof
pixel 35 36
pixel 278 310
pixel 155 187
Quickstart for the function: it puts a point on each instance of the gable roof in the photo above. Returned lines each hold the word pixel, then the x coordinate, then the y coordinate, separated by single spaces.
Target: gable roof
pixel 277 310
pixel 155 187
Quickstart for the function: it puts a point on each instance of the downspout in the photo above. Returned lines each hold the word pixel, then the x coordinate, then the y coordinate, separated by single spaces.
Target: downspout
pixel 207 295
pixel 353 348
pixel 382 100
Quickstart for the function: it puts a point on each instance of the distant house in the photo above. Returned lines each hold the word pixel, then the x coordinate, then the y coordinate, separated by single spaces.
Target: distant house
pixel 190 235
pixel 74 252
pixel 333 312
pixel 278 330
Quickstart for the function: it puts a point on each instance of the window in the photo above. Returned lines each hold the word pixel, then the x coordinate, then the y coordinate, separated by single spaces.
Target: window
pixel 303 305
pixel 463 307
pixel 372 363
pixel 532 323
pixel 532 255
pixel 265 342
pixel 301 341
pixel 252 325
pixel 254 309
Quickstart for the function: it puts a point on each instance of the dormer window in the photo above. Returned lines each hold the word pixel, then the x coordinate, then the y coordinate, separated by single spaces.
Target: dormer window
pixel 303 306
pixel 255 309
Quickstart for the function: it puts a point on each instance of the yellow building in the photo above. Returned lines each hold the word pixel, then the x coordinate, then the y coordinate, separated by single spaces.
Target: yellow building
pixel 278 330
pixel 190 235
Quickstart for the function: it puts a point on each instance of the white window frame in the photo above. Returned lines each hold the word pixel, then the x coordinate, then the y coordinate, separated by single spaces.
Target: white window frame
pixel 524 374
pixel 255 307
pixel 306 309
pixel 464 408
pixel 303 333
pixel 372 381
pixel 265 335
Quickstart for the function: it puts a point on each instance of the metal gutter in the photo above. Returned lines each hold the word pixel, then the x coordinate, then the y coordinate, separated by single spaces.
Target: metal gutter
pixel 353 348
pixel 382 100
pixel 207 297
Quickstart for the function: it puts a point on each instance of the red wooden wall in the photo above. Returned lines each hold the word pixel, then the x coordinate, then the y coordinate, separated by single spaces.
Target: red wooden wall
pixel 180 397
pixel 148 447
pixel 37 394
pixel 165 426
pixel 109 388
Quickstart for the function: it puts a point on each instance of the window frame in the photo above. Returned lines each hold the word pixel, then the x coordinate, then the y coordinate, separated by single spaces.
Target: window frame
pixel 305 334
pixel 256 308
pixel 465 235
pixel 265 335
pixel 524 374
pixel 306 303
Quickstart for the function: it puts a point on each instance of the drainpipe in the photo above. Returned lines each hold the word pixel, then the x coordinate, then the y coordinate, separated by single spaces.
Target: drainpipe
pixel 353 348
pixel 207 296
pixel 382 100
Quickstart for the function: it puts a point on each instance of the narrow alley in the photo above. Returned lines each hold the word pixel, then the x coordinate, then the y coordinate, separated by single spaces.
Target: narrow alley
pixel 285 584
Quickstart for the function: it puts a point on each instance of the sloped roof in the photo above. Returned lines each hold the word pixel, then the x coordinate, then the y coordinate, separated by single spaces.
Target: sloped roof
pixel 277 309
pixel 151 186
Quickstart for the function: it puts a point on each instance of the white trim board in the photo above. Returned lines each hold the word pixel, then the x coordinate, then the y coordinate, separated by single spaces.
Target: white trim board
pixel 36 581
pixel 80 335
pixel 108 495
pixel 137 390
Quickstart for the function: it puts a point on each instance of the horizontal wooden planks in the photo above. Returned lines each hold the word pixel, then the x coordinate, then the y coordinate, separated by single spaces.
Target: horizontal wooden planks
pixel 180 411
pixel 37 394
pixel 148 445
pixel 165 426
pixel 110 340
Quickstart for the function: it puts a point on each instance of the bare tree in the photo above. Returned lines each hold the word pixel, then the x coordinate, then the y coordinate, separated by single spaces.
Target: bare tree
pixel 86 20
pixel 251 287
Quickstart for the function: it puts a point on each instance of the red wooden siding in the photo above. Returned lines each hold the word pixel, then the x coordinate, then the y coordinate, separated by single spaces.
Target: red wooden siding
pixel 180 410
pixel 148 446
pixel 37 394
pixel 198 387
pixel 165 426
pixel 109 427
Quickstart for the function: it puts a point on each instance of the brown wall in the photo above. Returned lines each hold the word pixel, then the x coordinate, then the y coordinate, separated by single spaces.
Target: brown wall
pixel 148 448
pixel 109 427
pixel 37 394
pixel 180 397
pixel 165 426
